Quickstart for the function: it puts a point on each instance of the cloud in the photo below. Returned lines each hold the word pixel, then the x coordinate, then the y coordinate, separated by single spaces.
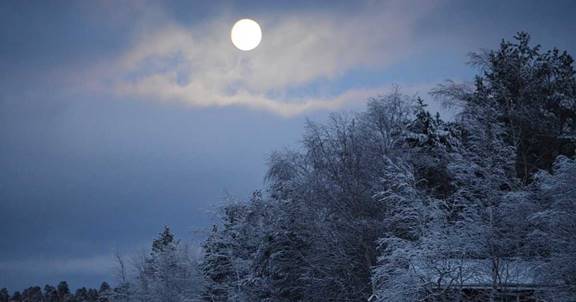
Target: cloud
pixel 199 66
pixel 101 264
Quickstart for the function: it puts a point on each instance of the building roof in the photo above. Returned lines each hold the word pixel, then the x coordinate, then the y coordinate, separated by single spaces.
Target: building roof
pixel 477 273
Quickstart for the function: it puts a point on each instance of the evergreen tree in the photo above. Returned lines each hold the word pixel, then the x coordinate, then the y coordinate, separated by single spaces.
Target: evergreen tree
pixel 431 143
pixel 63 291
pixel 533 95
pixel 104 292
pixel 4 295
pixel 168 274
pixel 81 295
pixel 217 267
pixel 92 295
pixel 164 243
pixel 50 293
pixel 280 265
pixel 230 252
pixel 16 297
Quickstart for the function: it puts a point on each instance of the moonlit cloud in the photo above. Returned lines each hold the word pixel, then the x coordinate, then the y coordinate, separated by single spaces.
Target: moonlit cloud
pixel 199 65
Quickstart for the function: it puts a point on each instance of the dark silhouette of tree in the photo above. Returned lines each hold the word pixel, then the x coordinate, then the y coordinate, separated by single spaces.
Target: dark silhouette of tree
pixel 4 295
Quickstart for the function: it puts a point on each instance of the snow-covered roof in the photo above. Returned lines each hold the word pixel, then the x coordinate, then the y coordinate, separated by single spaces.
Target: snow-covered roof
pixel 478 272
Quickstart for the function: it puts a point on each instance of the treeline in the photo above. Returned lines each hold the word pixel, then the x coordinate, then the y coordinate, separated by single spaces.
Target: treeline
pixel 397 204
pixel 167 273
pixel 60 293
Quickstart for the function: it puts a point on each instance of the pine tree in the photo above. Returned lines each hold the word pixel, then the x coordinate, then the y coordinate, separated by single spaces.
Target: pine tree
pixel 280 265
pixel 533 94
pixel 168 273
pixel 104 292
pixel 63 291
pixel 4 295
pixel 431 143
pixel 164 243
pixel 16 297
pixel 217 267
pixel 81 295
pixel 50 293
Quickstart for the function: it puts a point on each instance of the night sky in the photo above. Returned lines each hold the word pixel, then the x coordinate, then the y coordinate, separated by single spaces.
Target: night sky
pixel 119 117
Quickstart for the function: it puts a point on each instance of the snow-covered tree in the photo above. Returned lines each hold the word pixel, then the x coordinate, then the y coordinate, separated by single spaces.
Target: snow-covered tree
pixel 532 94
pixel 398 203
pixel 105 292
pixel 556 219
pixel 167 274
pixel 230 251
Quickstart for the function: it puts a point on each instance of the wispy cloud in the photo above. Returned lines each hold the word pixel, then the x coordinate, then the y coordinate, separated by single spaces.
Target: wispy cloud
pixel 199 66
pixel 101 264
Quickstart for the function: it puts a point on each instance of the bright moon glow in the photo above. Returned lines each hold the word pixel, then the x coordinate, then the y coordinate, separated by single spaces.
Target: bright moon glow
pixel 246 34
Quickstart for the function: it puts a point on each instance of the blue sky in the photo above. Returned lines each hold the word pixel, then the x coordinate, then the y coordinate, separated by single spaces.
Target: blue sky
pixel 117 118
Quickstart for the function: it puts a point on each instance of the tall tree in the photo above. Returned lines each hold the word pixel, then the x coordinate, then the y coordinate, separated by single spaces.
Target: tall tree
pixel 50 293
pixel 168 273
pixel 533 94
pixel 63 291
pixel 336 177
pixel 105 293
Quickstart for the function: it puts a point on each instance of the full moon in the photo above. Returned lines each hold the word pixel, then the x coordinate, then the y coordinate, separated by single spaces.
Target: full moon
pixel 246 34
